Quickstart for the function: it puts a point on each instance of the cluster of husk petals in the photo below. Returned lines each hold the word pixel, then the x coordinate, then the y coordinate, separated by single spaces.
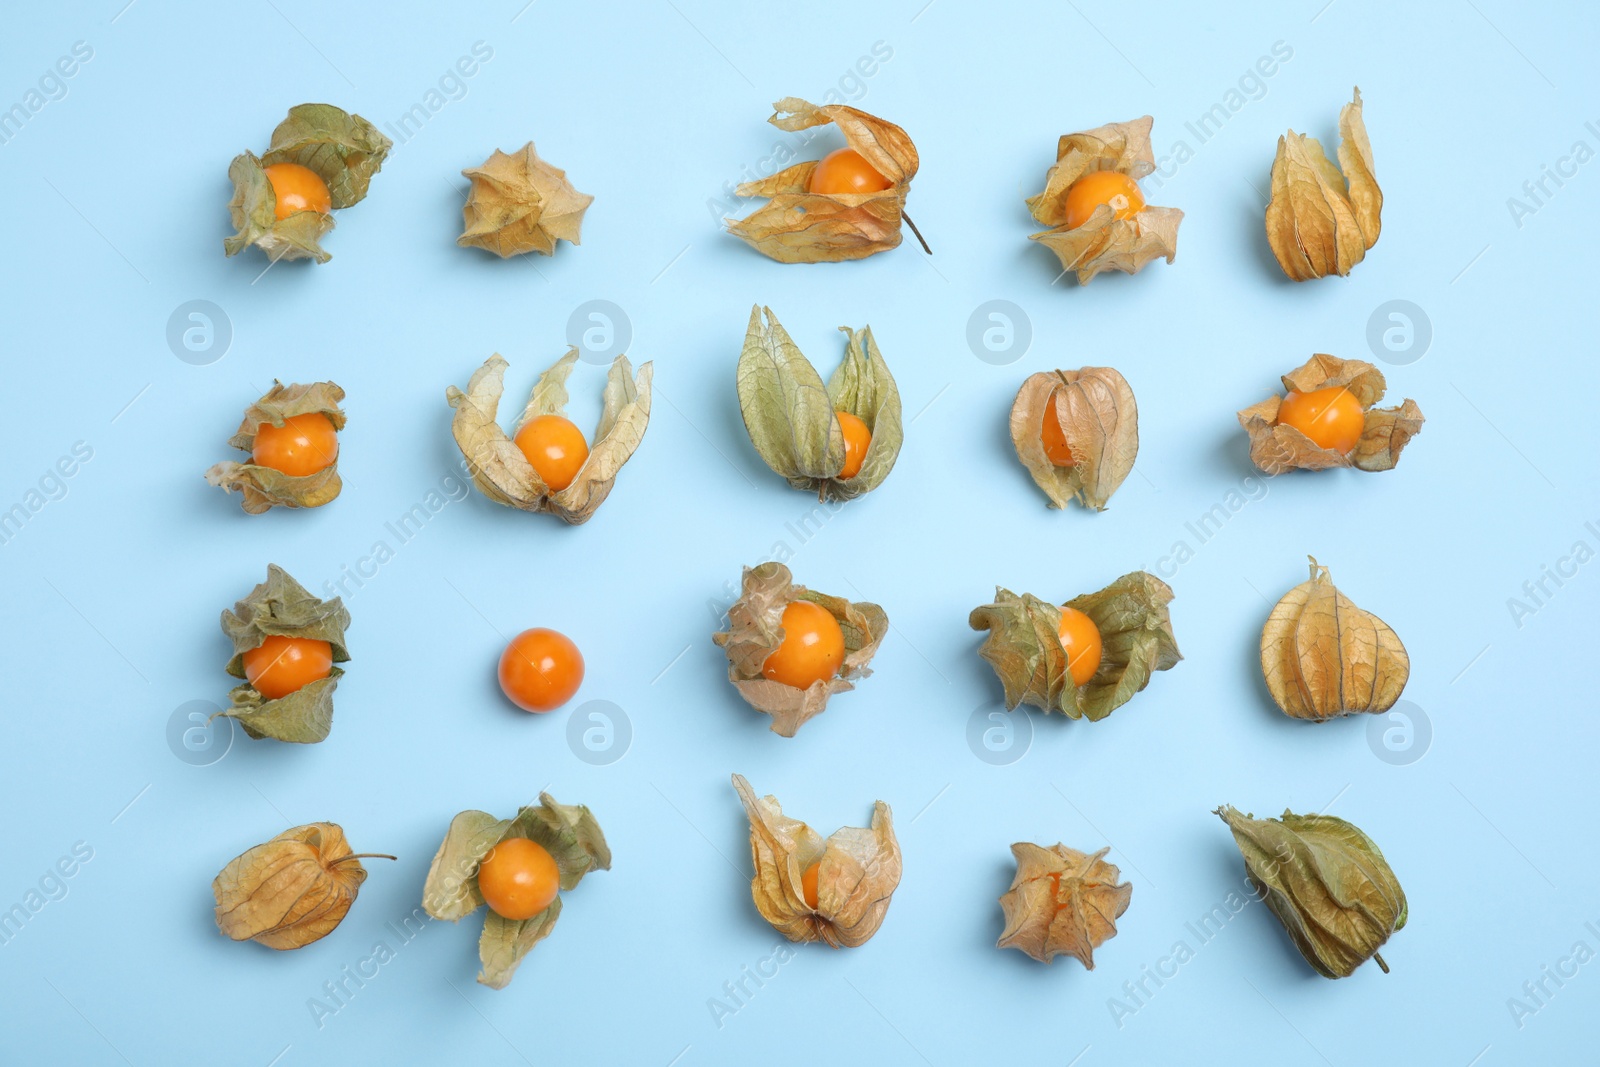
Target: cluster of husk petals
pixel 1104 242
pixel 1324 657
pixel 1095 410
pixel 344 150
pixel 1024 646
pixel 755 630
pixel 292 890
pixel 281 606
pixel 1321 221
pixel 1276 448
pixel 519 203
pixel 568 832
pixel 1327 883
pixel 500 470
pixel 1062 901
pixel 796 225
pixel 858 871
pixel 791 416
pixel 264 488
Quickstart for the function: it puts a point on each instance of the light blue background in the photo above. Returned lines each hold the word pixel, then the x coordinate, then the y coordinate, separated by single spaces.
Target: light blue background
pixel 116 212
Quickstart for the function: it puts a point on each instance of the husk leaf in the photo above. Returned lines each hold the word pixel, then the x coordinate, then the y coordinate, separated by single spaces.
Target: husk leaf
pixel 1104 242
pixel 569 832
pixel 290 891
pixel 253 209
pixel 791 416
pixel 858 872
pixel 519 203
pixel 799 226
pixel 1320 221
pixel 1324 657
pixel 264 488
pixel 1024 646
pixel 1327 883
pixel 755 630
pixel 500 470
pixel 1276 449
pixel 1062 901
pixel 1095 409
pixel 281 606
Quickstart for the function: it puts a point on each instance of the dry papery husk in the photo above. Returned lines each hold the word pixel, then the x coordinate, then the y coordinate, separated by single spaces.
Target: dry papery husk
pixel 858 873
pixel 281 606
pixel 519 203
pixel 292 890
pixel 569 832
pixel 1324 657
pixel 344 150
pixel 799 226
pixel 264 488
pixel 500 470
pixel 1024 645
pixel 791 416
pixel 755 630
pixel 1100 421
pixel 1062 902
pixel 1276 448
pixel 1105 242
pixel 1321 221
pixel 1328 884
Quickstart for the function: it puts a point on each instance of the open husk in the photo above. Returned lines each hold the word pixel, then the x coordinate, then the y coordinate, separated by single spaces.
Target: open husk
pixel 799 226
pixel 1323 657
pixel 1321 221
pixel 500 470
pixel 1098 418
pixel 290 891
pixel 1276 448
pixel 344 150
pixel 791 416
pixel 858 871
pixel 1327 883
pixel 1105 242
pixel 1024 646
pixel 1062 901
pixel 264 488
pixel 281 606
pixel 568 832
pixel 519 203
pixel 755 630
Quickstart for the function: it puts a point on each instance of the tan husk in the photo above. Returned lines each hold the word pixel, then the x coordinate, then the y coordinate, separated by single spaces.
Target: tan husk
pixel 1276 448
pixel 1320 221
pixel 344 150
pixel 281 606
pixel 1105 242
pixel 1062 901
pixel 569 832
pixel 799 226
pixel 858 871
pixel 519 203
pixel 1024 645
pixel 792 418
pixel 500 470
pixel 1098 417
pixel 755 630
pixel 290 891
pixel 264 487
pixel 1328 884
pixel 1323 657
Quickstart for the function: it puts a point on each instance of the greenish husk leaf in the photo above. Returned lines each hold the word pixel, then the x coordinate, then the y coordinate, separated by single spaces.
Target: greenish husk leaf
pixel 264 487
pixel 569 832
pixel 1024 646
pixel 1327 883
pixel 755 630
pixel 254 212
pixel 519 203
